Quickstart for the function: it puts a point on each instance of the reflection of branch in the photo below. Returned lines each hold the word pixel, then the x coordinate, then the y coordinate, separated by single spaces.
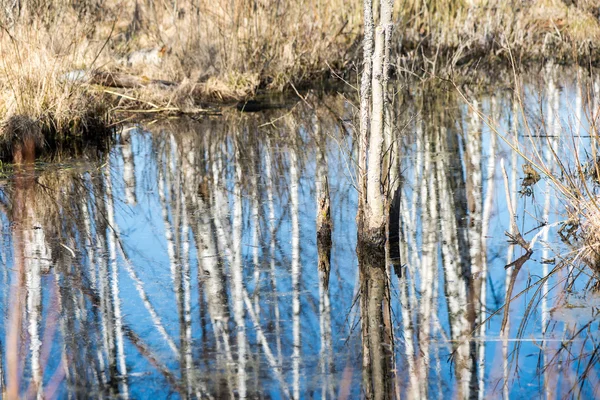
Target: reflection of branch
pixel 515 238
pixel 139 286
pixel 263 340
pixel 147 353
pixel 272 122
pixel 141 346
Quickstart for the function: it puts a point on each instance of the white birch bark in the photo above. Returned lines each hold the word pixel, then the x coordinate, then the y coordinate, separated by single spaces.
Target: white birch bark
pixel 455 285
pixel 63 330
pixel 553 131
pixel 429 262
pixel 89 245
pixel 210 231
pixel 365 102
pixel 485 222
pixel 323 222
pixel 210 264
pixel 237 279
pixel 326 352
pixel 114 284
pixel 138 283
pixel 128 166
pixel 437 330
pixel 294 186
pixel 412 391
pixel 256 240
pixel 220 203
pixel 181 269
pixel 375 205
pixel 475 195
pixel 106 314
pixel 34 242
pixel 163 189
pixel 187 299
pixel 272 238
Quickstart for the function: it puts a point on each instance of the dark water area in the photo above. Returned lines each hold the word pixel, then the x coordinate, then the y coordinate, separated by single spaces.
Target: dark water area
pixel 184 263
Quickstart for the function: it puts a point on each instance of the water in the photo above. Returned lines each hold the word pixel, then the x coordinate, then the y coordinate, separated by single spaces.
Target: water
pixel 185 262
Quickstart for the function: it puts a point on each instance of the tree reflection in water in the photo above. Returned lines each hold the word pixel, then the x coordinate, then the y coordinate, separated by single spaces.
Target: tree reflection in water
pixel 218 259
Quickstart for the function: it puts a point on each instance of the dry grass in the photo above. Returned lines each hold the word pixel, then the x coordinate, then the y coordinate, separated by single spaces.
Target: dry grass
pixel 31 90
pixel 215 51
pixel 221 51
pixel 449 33
pixel 565 150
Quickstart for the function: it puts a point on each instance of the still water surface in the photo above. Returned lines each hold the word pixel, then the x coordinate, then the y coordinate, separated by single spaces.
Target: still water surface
pixel 184 262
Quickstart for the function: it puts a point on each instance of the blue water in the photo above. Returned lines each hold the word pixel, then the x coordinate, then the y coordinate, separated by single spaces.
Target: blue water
pixel 180 284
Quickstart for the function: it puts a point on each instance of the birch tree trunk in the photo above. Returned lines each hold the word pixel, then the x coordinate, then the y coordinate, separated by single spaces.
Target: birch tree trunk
pixel 449 184
pixel 34 242
pixel 373 101
pixel 237 278
pixel 210 262
pixel 374 218
pixel 272 233
pixel 428 264
pixel 106 312
pixel 296 269
pixel 128 167
pixel 487 212
pixel 114 285
pixel 324 266
pixel 372 215
pixel 323 211
pixel 365 106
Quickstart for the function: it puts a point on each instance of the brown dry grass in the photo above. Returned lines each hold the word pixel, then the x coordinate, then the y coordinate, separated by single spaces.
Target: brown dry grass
pixel 566 152
pixel 220 51
pixel 447 33
pixel 216 51
pixel 31 88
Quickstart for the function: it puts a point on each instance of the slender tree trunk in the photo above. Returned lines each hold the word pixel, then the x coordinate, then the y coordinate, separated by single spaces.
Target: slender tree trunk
pixel 114 286
pixel 487 212
pixel 186 331
pixel 106 311
pixel 372 216
pixel 128 167
pixel 429 262
pixel 455 280
pixel 324 266
pixel 365 107
pixel 474 184
pixel 34 305
pixel 296 354
pixel 272 238
pixel 237 278
pixel 375 208
pixel 323 210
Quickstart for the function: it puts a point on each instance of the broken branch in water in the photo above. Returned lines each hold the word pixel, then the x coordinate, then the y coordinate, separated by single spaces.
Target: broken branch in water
pixel 515 238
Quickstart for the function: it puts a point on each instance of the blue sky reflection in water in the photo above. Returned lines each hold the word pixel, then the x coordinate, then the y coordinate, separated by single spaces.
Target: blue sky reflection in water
pixel 185 262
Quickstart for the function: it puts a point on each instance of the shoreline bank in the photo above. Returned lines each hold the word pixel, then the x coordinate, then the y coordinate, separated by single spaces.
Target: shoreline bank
pixel 72 68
